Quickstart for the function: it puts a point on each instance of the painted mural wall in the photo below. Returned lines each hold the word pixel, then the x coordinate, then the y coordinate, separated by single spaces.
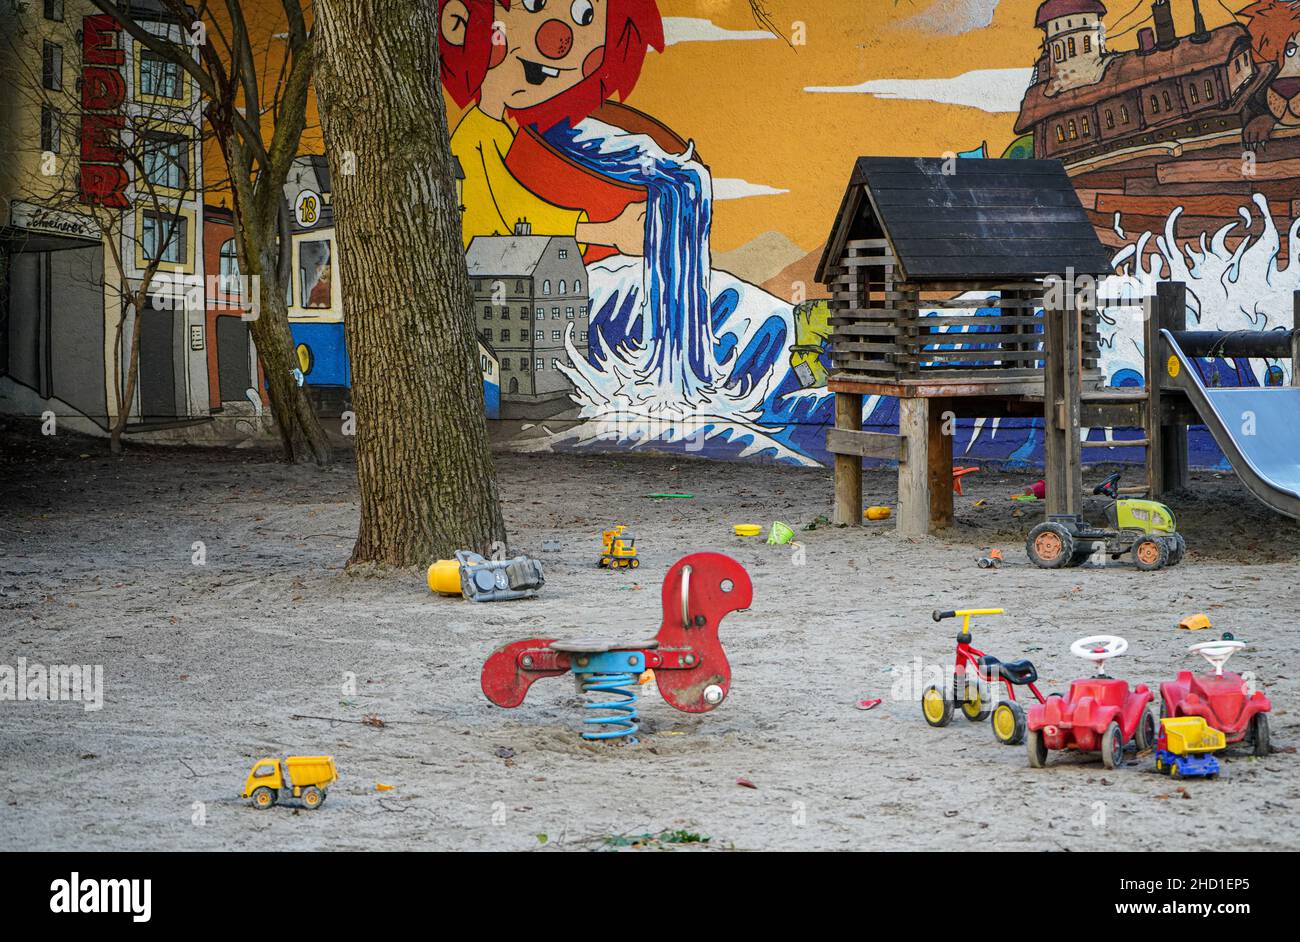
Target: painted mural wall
pixel 648 187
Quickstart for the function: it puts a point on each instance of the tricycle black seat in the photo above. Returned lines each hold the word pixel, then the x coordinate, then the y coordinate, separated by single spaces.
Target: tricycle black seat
pixel 1017 672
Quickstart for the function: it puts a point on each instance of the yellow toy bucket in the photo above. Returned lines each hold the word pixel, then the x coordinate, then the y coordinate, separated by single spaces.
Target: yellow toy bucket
pixel 444 577
pixel 877 513
pixel 1187 735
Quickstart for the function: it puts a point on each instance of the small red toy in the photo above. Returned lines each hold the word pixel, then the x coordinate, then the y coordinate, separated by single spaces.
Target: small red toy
pixel 1101 714
pixel 1224 700
pixel 972 673
pixel 686 656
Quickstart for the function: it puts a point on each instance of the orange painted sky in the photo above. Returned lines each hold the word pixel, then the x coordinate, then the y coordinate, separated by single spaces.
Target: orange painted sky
pixel 744 103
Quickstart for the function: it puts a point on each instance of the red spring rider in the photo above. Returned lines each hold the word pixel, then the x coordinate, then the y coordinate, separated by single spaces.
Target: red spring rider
pixel 690 666
pixel 1223 699
pixel 973 673
pixel 1101 714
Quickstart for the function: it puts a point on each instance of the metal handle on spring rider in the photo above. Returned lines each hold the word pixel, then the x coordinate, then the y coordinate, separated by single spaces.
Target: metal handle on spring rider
pixel 686 596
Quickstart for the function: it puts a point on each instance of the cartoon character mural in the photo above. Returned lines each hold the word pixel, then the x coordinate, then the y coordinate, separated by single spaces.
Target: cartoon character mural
pixel 537 65
pixel 676 354
pixel 1275 30
pixel 671 350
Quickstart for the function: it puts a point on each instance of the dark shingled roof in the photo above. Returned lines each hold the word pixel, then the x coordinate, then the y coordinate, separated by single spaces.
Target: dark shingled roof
pixel 990 220
pixel 1053 9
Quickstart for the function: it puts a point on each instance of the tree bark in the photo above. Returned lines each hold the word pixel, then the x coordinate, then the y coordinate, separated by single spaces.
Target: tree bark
pixel 424 469
pixel 301 436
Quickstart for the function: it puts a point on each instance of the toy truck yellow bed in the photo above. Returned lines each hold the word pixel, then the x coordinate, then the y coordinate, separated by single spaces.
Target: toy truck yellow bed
pixel 305 777
pixel 1190 735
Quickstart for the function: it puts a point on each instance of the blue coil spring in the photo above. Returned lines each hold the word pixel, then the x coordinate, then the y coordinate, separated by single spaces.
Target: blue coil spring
pixel 623 717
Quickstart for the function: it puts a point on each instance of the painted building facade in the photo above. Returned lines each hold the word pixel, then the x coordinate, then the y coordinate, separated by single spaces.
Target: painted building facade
pixel 531 306
pixel 81 221
pixel 316 300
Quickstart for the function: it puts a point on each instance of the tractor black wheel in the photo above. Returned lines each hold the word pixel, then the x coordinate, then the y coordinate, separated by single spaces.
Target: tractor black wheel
pixel 1050 546
pixel 1179 549
pixel 1151 553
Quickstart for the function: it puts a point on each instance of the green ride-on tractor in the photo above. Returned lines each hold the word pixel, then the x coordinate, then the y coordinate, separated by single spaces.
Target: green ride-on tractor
pixel 1144 527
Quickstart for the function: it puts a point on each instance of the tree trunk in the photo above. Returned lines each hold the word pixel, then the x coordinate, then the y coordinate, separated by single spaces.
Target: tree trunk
pixel 126 395
pixel 424 468
pixel 301 436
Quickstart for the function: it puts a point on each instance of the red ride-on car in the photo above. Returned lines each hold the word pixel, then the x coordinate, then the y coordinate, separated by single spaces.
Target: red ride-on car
pixel 1223 699
pixel 1101 714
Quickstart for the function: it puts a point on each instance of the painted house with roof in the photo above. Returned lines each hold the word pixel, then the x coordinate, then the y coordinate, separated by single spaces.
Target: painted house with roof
pixel 531 305
pixel 101 166
pixel 315 294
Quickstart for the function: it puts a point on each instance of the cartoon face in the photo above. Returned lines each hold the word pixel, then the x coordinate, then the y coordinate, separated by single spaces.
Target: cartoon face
pixel 1287 82
pixel 540 48
pixel 1275 39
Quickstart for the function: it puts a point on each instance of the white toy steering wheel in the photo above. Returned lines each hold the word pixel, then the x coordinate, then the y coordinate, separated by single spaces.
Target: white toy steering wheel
pixel 1217 652
pixel 1099 649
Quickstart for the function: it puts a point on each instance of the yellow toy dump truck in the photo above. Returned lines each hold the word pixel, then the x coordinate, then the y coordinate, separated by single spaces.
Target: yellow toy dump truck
pixel 618 550
pixel 305 777
pixel 1185 745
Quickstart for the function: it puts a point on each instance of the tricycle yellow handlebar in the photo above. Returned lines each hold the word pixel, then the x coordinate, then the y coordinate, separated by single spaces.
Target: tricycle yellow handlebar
pixel 965 615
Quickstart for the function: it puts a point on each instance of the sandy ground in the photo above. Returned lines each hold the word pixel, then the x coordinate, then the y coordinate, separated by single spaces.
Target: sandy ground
pixel 207 667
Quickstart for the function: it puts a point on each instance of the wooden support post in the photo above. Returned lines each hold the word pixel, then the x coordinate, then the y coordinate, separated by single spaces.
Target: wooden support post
pixel 940 433
pixel 1171 313
pixel 1295 339
pixel 1153 417
pixel 1062 391
pixel 914 470
pixel 848 468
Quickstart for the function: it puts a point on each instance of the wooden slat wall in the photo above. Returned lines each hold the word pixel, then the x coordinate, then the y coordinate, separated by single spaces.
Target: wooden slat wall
pixel 864 334
pixel 881 334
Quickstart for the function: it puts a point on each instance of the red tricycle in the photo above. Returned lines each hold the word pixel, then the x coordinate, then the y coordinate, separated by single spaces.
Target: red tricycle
pixel 1100 714
pixel 974 674
pixel 1224 700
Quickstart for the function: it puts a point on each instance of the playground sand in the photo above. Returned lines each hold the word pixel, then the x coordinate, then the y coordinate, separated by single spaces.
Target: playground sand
pixel 208 667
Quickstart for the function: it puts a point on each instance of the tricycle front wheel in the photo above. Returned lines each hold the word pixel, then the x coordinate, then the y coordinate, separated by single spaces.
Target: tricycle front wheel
pixel 973 706
pixel 935 707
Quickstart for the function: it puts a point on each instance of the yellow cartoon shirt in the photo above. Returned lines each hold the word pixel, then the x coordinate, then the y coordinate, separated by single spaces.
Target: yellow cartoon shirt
pixel 494 200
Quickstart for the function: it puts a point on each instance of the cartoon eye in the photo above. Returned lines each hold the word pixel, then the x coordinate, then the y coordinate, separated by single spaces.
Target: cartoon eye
pixel 1290 48
pixel 534 6
pixel 582 12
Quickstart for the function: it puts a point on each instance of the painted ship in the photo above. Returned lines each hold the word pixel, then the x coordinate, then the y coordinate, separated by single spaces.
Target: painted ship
pixel 1174 124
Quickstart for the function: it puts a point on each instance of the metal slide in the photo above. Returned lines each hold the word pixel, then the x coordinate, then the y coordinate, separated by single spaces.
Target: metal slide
pixel 1258 428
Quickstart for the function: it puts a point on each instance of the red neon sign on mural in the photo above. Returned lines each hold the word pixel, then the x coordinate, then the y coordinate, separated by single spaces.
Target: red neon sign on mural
pixel 103 92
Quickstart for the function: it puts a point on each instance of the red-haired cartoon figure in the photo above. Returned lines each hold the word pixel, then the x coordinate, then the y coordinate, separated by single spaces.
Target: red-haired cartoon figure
pixel 538 63
pixel 1275 34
